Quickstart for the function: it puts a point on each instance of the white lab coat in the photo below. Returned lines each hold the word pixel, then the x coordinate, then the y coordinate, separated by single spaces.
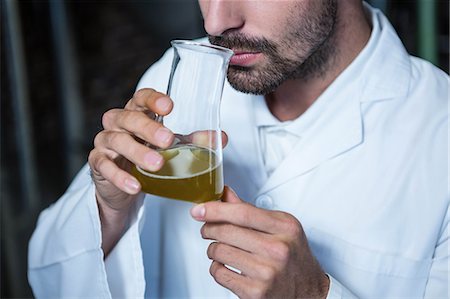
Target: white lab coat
pixel 368 181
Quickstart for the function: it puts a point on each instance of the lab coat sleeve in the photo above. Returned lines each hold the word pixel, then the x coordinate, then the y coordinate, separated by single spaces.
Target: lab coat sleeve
pixel 65 257
pixel 439 279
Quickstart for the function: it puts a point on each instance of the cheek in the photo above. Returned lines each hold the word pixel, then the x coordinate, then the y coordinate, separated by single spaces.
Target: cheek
pixel 273 19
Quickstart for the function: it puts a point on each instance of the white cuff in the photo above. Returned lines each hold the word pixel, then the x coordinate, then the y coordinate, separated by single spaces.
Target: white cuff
pixel 337 290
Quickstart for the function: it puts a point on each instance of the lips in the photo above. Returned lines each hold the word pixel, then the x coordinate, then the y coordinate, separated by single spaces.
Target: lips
pixel 241 58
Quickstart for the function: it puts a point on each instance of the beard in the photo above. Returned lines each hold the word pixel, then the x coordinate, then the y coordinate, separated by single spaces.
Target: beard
pixel 304 52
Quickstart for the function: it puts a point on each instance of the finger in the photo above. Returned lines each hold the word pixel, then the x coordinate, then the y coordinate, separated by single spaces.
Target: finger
pixel 125 145
pixel 230 196
pixel 150 99
pixel 229 279
pixel 224 139
pixel 248 264
pixel 206 138
pixel 103 167
pixel 246 239
pixel 241 214
pixel 139 124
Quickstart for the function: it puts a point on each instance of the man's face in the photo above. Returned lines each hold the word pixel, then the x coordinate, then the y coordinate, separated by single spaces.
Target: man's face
pixel 273 40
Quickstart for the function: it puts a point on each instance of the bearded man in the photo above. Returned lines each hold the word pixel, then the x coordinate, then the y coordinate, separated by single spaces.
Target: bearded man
pixel 337 153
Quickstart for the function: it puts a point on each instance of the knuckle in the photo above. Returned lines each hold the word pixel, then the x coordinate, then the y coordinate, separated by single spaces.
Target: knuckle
pixel 223 230
pixel 99 160
pixel 133 153
pixel 91 157
pixel 212 250
pixel 291 226
pixel 221 275
pixel 102 139
pixel 267 273
pixel 257 292
pixel 204 231
pixel 98 139
pixel 294 229
pixel 280 251
pixel 116 177
pixel 216 231
pixel 151 127
pixel 112 139
pixel 96 162
pixel 214 270
pixel 246 214
pixel 143 92
pixel 129 103
pixel 126 116
pixel 107 118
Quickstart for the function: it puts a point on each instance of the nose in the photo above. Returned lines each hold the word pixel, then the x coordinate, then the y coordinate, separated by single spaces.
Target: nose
pixel 221 16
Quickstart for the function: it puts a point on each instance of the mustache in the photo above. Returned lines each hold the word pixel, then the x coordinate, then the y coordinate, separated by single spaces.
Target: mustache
pixel 242 42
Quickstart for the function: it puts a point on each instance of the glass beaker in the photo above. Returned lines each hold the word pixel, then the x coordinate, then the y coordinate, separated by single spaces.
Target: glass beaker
pixel 192 169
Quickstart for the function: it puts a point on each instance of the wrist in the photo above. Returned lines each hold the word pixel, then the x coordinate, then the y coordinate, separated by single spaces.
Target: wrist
pixel 318 284
pixel 113 223
pixel 112 216
pixel 324 286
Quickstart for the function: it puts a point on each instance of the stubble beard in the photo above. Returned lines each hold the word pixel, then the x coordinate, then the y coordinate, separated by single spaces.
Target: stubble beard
pixel 316 36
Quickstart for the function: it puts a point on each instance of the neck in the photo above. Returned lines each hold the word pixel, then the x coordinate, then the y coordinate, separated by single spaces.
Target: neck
pixel 352 32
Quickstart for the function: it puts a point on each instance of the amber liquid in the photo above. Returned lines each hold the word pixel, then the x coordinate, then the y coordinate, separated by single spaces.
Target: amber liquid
pixel 189 173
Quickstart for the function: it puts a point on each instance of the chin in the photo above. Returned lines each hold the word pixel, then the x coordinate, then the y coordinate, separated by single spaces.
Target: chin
pixel 252 82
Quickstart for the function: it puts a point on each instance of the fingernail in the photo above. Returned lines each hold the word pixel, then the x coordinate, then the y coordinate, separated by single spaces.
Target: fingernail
pixel 132 185
pixel 163 135
pixel 152 161
pixel 163 104
pixel 198 211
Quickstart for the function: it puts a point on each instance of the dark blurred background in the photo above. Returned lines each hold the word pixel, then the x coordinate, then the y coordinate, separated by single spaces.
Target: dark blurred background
pixel 64 63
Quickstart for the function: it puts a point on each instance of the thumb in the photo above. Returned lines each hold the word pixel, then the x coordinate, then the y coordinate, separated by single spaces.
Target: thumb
pixel 230 196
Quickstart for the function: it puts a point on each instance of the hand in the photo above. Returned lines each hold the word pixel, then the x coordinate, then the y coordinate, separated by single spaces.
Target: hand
pixel 116 148
pixel 268 248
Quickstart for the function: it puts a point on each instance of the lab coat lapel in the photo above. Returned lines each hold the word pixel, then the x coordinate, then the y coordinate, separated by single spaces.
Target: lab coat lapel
pixel 328 136
pixel 375 75
pixel 338 128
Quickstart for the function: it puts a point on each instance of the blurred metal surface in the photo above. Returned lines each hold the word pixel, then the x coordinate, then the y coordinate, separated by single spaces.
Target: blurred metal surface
pixel 18 80
pixel 14 224
pixel 69 88
pixel 427 41
pixel 381 4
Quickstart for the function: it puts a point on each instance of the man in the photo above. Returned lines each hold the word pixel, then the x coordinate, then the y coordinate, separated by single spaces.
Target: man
pixel 337 156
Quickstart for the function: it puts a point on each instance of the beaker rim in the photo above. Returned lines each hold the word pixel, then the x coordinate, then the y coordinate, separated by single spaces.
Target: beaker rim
pixel 185 42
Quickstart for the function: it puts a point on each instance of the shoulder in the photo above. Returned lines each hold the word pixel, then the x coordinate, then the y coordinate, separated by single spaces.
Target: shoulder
pixel 428 96
pixel 428 82
pixel 415 119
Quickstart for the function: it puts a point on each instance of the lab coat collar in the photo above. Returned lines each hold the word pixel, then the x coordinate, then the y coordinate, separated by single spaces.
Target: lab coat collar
pixel 388 69
pixel 332 132
pixel 333 125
